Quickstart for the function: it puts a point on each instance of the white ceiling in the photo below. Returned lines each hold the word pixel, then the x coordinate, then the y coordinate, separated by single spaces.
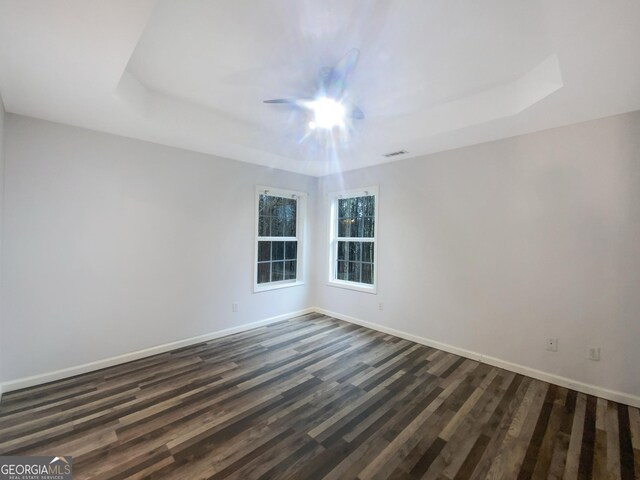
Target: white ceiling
pixel 432 75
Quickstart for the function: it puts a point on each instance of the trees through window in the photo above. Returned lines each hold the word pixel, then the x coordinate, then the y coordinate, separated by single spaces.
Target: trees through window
pixel 353 243
pixel 279 220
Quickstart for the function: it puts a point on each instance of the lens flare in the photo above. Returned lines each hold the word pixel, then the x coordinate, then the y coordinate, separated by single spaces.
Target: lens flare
pixel 327 113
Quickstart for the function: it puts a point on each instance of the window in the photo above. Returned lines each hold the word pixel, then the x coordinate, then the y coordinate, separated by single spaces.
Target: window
pixel 278 246
pixel 353 239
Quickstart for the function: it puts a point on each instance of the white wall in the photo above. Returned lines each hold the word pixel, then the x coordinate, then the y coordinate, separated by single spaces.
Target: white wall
pixel 495 247
pixel 2 115
pixel 111 245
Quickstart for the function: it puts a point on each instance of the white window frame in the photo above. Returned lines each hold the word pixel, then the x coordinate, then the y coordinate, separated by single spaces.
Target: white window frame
pixel 301 198
pixel 333 240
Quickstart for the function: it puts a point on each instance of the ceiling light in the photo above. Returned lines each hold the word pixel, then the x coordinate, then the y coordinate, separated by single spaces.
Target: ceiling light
pixel 327 113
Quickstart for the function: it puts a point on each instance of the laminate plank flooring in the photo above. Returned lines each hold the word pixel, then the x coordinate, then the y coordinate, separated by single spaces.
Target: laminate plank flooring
pixel 315 397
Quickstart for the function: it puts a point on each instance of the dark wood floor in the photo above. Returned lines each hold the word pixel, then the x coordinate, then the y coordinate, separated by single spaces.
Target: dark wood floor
pixel 316 397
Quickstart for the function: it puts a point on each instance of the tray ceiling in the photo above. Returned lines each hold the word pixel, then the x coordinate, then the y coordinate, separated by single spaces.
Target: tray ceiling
pixel 432 75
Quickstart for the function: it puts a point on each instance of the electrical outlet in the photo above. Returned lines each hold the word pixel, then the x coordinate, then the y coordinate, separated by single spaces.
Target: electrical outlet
pixel 380 306
pixel 594 354
pixel 552 344
pixel 234 307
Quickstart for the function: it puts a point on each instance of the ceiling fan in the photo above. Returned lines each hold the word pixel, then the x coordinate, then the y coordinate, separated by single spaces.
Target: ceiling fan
pixel 329 106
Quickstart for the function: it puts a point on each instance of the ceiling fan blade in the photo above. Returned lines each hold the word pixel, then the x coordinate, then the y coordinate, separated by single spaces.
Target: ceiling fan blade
pixel 324 79
pixel 283 100
pixel 355 112
pixel 297 102
pixel 337 81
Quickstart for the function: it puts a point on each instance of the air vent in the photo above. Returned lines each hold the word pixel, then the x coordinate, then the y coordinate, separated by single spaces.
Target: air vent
pixel 395 154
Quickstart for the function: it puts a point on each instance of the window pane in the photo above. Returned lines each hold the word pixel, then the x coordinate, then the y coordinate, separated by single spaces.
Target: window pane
pixel 356 228
pixel 352 208
pixel 289 208
pixel 344 225
pixel 277 251
pixel 367 273
pixel 291 250
pixel 277 226
pixel 264 227
pixel 290 270
pixel 276 206
pixel 368 227
pixel 355 251
pixel 367 252
pixel 277 271
pixel 264 272
pixel 356 217
pixel 268 206
pixel 289 228
pixel 342 208
pixel 342 250
pixel 262 205
pixel 354 272
pixel 360 202
pixel 264 251
pixel 369 206
pixel 341 271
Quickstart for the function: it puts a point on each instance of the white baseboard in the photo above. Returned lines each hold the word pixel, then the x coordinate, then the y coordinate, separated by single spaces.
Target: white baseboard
pixel 147 352
pixel 587 388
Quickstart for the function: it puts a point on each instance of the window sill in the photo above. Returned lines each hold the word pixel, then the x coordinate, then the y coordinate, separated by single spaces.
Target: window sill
pixel 276 286
pixel 359 287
